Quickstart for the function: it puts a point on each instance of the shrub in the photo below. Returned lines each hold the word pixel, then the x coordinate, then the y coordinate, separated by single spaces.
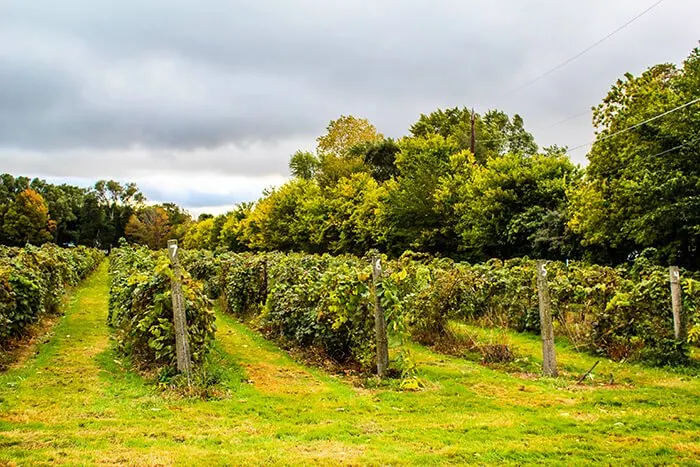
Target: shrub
pixel 33 281
pixel 140 309
pixel 325 302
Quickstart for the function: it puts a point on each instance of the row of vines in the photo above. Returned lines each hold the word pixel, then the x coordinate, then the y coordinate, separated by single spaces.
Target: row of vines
pixel 141 311
pixel 33 281
pixel 324 302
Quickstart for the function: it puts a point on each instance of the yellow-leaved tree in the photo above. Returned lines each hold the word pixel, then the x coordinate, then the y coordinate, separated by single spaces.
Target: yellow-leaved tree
pixel 150 226
pixel 27 220
pixel 336 159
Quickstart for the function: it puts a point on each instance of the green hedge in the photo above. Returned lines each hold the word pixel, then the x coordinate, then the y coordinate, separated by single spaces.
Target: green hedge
pixel 140 309
pixel 33 281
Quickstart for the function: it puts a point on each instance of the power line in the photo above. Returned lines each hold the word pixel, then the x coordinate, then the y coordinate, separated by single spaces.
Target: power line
pixel 656 117
pixel 603 138
pixel 680 146
pixel 568 119
pixel 584 51
pixel 675 148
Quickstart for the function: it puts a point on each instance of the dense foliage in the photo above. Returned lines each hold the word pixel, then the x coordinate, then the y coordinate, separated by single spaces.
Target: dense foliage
pixel 621 313
pixel 466 185
pixel 322 302
pixel 140 309
pixel 325 302
pixel 34 211
pixel 473 186
pixel 641 187
pixel 33 281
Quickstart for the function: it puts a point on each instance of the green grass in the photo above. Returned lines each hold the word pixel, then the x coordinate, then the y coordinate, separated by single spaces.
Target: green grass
pixel 74 402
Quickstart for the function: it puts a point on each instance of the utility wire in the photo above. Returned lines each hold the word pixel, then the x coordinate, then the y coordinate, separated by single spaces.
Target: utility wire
pixel 656 117
pixel 675 148
pixel 680 146
pixel 567 119
pixel 603 138
pixel 584 51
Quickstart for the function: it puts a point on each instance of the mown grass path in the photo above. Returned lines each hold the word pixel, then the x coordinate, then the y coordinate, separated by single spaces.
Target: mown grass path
pixel 74 403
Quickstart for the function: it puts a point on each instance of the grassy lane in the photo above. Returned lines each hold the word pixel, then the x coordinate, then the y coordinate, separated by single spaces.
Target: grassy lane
pixel 74 403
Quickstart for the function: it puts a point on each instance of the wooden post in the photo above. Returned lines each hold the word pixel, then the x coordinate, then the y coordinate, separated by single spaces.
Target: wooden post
pixel 549 359
pixel 379 321
pixel 676 303
pixel 472 139
pixel 182 346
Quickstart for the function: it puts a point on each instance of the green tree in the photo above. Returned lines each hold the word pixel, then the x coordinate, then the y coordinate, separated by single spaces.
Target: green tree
pixel 410 213
pixel 495 132
pixel 231 236
pixel 64 203
pixel 515 205
pixel 304 164
pixel 92 223
pixel 642 185
pixel 119 203
pixel 344 133
pixel 280 221
pixel 351 213
pixel 199 235
pixel 379 157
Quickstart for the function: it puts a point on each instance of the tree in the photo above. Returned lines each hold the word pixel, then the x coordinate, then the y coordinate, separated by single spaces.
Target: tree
pixel 379 157
pixel 231 236
pixel 119 202
pixel 304 164
pixel 9 188
pixel 336 160
pixel 344 133
pixel 351 213
pixel 92 224
pixel 280 221
pixel 178 218
pixel 495 132
pixel 64 203
pixel 26 220
pixel 199 235
pixel 642 185
pixel 410 213
pixel 149 226
pixel 516 206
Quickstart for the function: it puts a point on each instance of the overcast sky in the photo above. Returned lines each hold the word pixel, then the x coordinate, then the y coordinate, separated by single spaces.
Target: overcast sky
pixel 202 102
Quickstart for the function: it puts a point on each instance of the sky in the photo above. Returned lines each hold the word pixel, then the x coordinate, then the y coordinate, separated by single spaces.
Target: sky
pixel 203 102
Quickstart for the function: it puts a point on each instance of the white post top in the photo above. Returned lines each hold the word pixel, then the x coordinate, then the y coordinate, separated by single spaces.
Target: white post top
pixel 172 247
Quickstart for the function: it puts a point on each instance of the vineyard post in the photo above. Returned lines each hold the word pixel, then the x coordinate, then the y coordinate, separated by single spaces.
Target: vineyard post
pixel 549 359
pixel 182 346
pixel 379 320
pixel 676 303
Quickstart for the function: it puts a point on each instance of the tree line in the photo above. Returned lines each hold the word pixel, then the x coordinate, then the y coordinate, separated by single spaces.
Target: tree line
pixel 497 194
pixel 464 185
pixel 34 211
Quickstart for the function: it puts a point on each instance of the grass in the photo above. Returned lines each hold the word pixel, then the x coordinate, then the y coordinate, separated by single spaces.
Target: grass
pixel 75 402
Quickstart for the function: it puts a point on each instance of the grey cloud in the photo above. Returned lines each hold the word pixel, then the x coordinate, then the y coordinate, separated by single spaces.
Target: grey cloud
pixel 181 76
